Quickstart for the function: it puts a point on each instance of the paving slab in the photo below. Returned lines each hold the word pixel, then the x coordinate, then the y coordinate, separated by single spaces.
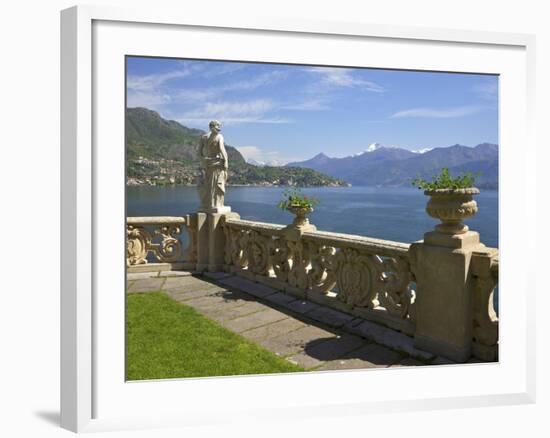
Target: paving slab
pixel 329 316
pixel 256 289
pixel 296 341
pixel 332 349
pixel 226 314
pixel 301 306
pixel 440 360
pixel 189 284
pixel 385 336
pixel 147 285
pixel 213 304
pixel 254 320
pixel 280 298
pixel 175 274
pixel 274 329
pixel 217 275
pixel 408 362
pixel 369 356
pixel 186 295
pixel 141 275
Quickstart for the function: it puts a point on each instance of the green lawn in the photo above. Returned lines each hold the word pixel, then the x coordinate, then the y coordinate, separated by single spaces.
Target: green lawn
pixel 166 339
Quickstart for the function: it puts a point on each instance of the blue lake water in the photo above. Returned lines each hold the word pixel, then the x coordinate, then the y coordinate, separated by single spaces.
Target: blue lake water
pixel 385 213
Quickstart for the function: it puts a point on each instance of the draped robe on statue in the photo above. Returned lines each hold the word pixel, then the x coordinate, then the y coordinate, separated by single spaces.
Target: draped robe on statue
pixel 214 172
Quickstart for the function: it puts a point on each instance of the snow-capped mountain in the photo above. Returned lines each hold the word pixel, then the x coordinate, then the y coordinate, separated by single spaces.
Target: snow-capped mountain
pixel 271 163
pixel 394 166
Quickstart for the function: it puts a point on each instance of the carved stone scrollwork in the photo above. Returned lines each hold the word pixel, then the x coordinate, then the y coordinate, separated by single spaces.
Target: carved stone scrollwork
pixel 297 276
pixel 138 241
pixel 485 318
pixel 355 278
pixel 229 245
pixel 321 276
pixel 236 241
pixel 395 280
pixel 281 255
pixel 169 249
pixel 163 241
pixel 257 251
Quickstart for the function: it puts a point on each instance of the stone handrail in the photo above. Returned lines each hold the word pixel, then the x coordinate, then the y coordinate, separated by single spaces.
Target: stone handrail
pixel 159 236
pixel 369 278
pixel 485 266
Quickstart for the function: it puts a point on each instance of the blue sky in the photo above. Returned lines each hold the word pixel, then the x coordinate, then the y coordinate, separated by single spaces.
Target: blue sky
pixel 281 113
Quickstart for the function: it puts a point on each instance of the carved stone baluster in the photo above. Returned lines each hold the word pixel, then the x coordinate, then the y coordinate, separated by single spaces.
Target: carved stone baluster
pixel 138 242
pixel 238 241
pixel 169 249
pixel 395 279
pixel 257 251
pixel 355 278
pixel 485 318
pixel 281 256
pixel 229 244
pixel 297 277
pixel 321 275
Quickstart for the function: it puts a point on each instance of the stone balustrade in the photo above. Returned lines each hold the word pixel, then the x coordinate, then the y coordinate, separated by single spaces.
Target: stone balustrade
pixel 438 291
pixel 160 238
pixel 369 278
pixel 485 273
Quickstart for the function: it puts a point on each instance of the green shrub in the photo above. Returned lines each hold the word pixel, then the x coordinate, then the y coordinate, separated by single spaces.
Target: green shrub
pixel 295 198
pixel 445 181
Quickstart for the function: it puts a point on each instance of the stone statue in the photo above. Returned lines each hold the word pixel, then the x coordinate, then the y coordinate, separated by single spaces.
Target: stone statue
pixel 214 165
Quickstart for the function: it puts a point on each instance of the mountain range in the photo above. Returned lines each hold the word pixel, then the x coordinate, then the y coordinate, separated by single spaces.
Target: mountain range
pixel 393 166
pixel 162 152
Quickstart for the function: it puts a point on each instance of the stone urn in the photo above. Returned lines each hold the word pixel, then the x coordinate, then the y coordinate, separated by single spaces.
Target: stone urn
pixel 451 207
pixel 300 220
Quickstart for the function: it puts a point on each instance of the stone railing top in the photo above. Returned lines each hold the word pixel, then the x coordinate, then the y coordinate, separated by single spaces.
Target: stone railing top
pixel 152 220
pixel 253 225
pixel 379 246
pixel 485 262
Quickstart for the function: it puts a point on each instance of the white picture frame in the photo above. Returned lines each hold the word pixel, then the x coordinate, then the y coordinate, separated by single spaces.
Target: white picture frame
pixel 93 396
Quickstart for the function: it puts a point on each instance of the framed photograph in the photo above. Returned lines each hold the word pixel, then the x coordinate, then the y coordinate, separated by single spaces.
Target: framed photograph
pixel 243 231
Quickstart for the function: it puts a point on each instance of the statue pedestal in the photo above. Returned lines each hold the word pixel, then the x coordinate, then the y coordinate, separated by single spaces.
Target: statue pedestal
pixel 214 210
pixel 211 240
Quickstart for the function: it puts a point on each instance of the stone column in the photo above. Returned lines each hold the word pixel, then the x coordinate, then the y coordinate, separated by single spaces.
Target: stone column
pixel 211 241
pixel 444 296
pixel 202 242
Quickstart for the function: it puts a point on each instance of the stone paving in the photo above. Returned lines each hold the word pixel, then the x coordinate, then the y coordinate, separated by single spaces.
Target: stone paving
pixel 304 333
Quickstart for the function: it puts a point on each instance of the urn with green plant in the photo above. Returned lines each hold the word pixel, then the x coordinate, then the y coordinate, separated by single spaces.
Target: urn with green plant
pixel 299 204
pixel 451 199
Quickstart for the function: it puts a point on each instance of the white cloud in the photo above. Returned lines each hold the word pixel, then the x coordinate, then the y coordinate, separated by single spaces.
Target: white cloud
pixel 331 77
pixel 255 81
pixel 257 155
pixel 487 89
pixel 437 113
pixel 213 69
pixel 152 82
pixel 306 105
pixel 151 100
pixel 233 112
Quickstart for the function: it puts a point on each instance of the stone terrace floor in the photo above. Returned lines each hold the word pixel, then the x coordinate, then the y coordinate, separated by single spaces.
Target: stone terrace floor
pixel 305 333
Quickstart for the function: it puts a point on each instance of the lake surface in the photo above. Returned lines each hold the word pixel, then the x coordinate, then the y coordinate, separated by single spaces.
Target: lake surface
pixel 385 213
